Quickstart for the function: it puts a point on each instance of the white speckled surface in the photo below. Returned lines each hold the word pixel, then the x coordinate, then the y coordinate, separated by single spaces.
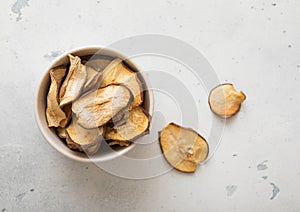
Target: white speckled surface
pixel 255 44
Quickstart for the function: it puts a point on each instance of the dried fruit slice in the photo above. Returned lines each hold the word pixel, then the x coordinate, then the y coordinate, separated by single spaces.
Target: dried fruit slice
pixel 225 101
pixel 117 73
pixel 92 80
pixel 97 108
pixel 136 124
pixel 99 63
pixel 119 143
pixel 61 132
pixel 119 119
pixel 74 82
pixel 68 111
pixel 87 140
pixel 183 148
pixel 55 115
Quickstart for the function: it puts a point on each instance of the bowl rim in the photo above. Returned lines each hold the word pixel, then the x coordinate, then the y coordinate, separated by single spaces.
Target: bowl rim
pixel 45 130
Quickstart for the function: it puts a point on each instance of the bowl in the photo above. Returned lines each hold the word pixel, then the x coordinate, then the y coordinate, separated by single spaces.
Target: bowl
pixel 105 152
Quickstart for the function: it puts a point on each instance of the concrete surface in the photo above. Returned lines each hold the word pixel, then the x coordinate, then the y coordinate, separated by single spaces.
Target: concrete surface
pixel 254 44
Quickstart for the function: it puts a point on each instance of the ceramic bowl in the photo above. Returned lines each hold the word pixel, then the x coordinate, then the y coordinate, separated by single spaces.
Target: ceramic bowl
pixel 105 152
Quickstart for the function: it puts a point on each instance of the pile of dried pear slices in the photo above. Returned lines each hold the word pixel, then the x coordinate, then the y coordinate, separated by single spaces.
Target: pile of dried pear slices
pixel 88 103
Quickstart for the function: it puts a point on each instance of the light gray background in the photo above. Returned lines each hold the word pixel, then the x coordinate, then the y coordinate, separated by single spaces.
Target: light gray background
pixel 253 43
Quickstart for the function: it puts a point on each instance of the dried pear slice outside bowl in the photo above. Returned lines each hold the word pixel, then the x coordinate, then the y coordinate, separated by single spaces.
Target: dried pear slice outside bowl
pixel 183 147
pixel 50 133
pixel 225 101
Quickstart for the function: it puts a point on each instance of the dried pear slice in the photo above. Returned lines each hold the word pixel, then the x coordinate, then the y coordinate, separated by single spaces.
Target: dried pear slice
pixel 55 115
pixel 117 73
pixel 92 80
pixel 98 107
pixel 99 63
pixel 136 124
pixel 119 143
pixel 74 82
pixel 120 118
pixel 61 132
pixel 183 148
pixel 87 140
pixel 68 112
pixel 225 101
pixel 88 149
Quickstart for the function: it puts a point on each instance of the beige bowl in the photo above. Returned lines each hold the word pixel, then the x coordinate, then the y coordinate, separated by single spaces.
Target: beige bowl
pixel 105 153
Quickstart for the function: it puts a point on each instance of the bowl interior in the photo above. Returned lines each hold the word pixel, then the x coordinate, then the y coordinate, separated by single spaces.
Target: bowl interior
pixel 105 152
